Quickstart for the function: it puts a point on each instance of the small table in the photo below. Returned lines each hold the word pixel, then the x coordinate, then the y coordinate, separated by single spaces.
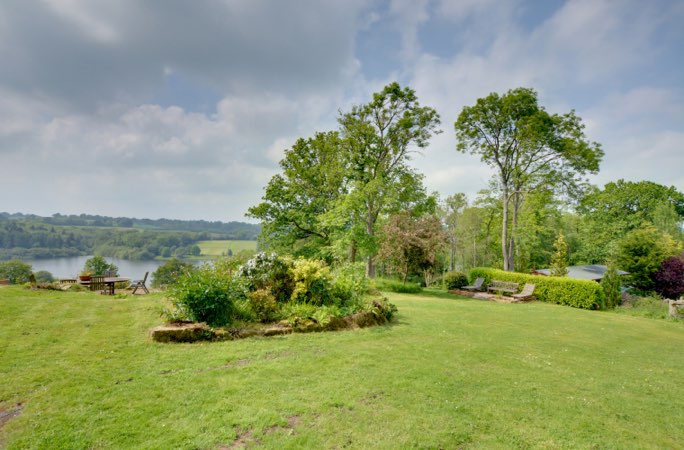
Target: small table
pixel 109 282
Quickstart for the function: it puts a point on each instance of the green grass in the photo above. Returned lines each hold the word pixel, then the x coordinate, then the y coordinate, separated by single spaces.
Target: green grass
pixel 449 373
pixel 220 248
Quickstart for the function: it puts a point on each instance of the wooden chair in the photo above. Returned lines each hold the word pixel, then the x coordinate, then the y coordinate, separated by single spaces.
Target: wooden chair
pixel 97 284
pixel 140 284
pixel 526 294
pixel 477 286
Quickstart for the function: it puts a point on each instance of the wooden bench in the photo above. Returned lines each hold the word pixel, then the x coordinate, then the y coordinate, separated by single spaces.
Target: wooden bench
pixel 503 287
pixel 674 307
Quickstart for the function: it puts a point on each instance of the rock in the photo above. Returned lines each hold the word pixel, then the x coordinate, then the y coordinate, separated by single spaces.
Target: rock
pixel 182 332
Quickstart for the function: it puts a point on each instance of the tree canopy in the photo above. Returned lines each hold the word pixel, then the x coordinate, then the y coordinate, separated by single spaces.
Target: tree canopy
pixel 528 148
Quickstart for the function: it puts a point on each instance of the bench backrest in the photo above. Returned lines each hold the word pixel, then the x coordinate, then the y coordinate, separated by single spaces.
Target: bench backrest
pixel 504 285
pixel 528 289
pixel 97 283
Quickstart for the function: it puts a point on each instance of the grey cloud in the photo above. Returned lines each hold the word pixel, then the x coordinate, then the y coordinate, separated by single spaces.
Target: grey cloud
pixel 235 46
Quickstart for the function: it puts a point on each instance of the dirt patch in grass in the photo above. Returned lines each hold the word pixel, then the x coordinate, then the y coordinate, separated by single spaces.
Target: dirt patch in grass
pixel 7 414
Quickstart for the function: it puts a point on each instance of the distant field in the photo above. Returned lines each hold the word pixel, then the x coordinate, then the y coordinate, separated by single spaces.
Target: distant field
pixel 220 248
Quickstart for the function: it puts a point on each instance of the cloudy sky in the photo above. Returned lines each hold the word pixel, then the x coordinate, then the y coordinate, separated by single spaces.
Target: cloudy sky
pixel 182 109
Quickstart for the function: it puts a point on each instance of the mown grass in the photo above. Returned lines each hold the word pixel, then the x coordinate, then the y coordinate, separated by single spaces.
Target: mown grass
pixel 220 248
pixel 449 373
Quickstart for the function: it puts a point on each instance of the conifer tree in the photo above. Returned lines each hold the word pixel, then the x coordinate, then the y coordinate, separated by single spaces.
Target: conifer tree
pixel 559 260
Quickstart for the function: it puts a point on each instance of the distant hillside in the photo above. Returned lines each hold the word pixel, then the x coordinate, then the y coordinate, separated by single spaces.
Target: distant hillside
pixel 217 230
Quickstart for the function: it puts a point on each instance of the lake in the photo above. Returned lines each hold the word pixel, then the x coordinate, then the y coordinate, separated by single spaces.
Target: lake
pixel 70 267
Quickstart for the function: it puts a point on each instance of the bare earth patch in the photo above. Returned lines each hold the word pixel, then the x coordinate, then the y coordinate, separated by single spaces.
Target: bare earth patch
pixel 6 415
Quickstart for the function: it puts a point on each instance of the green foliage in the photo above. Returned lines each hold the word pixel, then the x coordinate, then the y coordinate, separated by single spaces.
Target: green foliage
pixel 610 283
pixel 455 280
pixel 562 290
pixel 264 305
pixel 350 283
pixel 15 271
pixel 312 282
pixel 651 307
pixel 168 273
pixel 610 213
pixel 530 150
pixel 43 276
pixel 269 271
pixel 385 284
pixel 381 307
pixel 641 253
pixel 98 266
pixel 206 295
pixel 559 260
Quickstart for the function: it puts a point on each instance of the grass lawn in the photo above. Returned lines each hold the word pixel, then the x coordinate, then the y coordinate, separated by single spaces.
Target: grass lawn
pixel 219 248
pixel 449 373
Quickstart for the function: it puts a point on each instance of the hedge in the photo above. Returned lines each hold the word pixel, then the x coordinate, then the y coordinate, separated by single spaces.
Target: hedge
pixel 584 294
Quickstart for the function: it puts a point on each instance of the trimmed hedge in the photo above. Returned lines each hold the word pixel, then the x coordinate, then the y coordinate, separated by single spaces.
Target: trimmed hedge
pixel 584 294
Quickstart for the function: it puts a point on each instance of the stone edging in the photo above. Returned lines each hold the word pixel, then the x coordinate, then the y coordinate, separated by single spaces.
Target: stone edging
pixel 193 332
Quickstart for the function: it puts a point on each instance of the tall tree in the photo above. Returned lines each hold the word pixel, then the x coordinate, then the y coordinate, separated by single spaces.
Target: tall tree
pixel 379 138
pixel 314 176
pixel 451 211
pixel 528 148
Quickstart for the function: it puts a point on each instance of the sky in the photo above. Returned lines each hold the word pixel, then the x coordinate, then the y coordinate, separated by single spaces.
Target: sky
pixel 182 109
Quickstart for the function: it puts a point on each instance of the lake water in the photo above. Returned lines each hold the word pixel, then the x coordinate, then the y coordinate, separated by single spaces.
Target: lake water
pixel 70 267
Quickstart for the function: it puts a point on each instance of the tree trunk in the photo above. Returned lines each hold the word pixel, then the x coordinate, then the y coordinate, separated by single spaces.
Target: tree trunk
pixel 370 267
pixel 504 232
pixel 352 252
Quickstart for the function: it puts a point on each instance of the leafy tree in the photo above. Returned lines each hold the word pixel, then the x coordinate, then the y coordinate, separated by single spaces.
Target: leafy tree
pixel 314 177
pixel 15 271
pixel 411 244
pixel 559 261
pixel 610 213
pixel 669 280
pixel 379 138
pixel 529 148
pixel 170 272
pixel 611 287
pixel 641 253
pixel 451 212
pixel 98 266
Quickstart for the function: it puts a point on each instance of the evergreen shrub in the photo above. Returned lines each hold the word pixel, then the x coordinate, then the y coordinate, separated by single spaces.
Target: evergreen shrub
pixel 561 290
pixel 455 280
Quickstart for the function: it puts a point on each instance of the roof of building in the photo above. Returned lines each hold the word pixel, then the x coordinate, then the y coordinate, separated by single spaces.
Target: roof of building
pixel 590 272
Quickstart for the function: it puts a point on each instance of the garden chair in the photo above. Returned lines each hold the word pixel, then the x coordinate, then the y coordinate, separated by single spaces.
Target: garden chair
pixel 140 284
pixel 477 286
pixel 526 293
pixel 97 283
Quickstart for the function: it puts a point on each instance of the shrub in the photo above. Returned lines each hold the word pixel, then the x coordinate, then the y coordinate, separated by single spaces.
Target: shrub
pixel 611 288
pixel 263 304
pixel 206 296
pixel 15 271
pixel 350 283
pixel 98 266
pixel 266 271
pixel 384 284
pixel 565 291
pixel 312 282
pixel 669 280
pixel 43 276
pixel 168 273
pixel 455 280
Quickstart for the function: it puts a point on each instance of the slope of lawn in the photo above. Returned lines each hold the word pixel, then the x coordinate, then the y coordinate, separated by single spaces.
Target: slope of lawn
pixel 79 371
pixel 220 248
